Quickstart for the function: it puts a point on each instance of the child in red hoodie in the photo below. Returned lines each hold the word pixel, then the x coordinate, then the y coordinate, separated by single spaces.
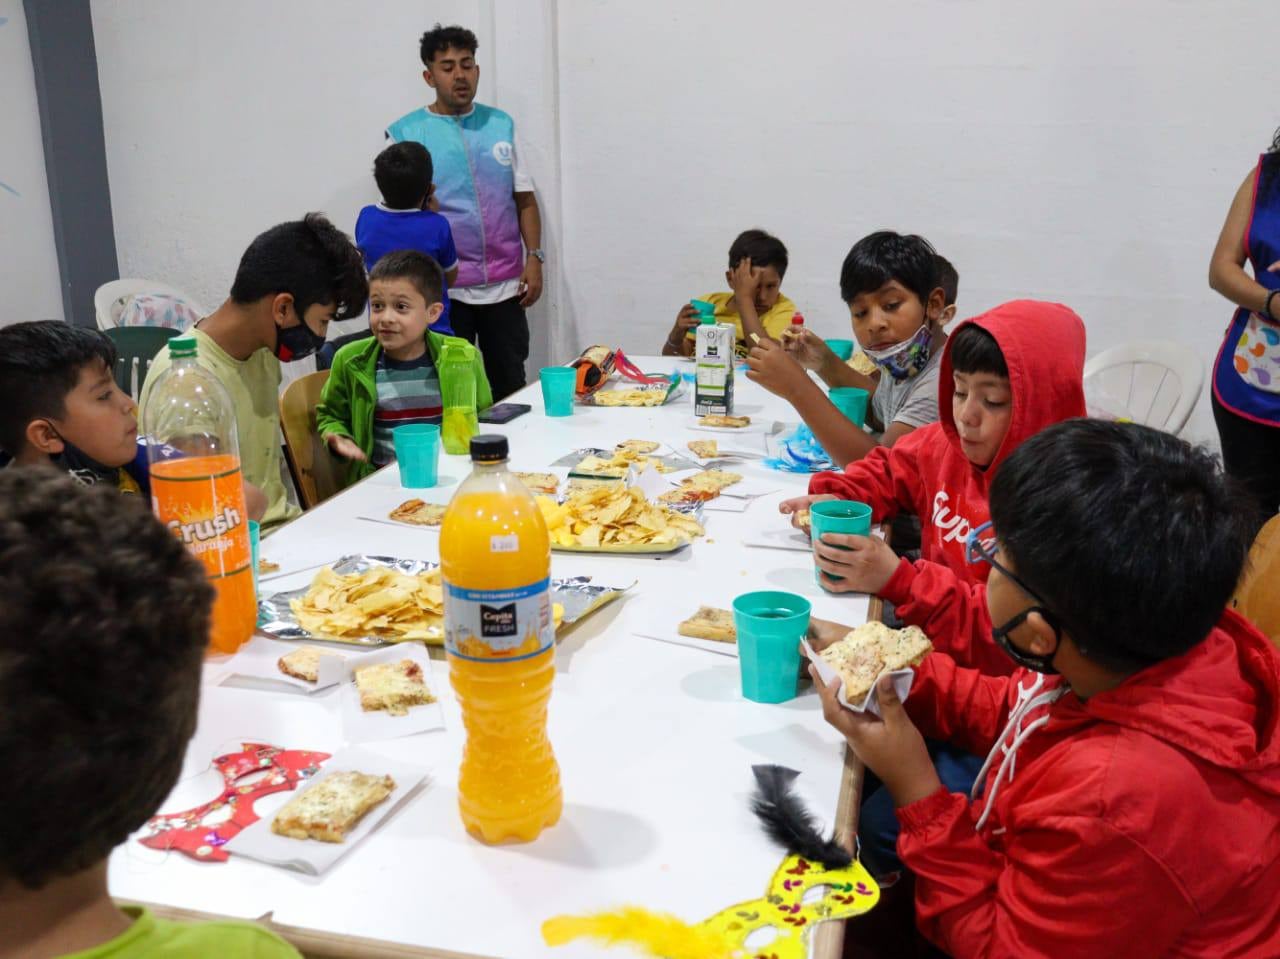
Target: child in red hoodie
pixel 1006 375
pixel 1130 800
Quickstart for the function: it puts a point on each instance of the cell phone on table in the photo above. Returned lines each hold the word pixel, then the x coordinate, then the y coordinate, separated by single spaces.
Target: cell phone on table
pixel 504 412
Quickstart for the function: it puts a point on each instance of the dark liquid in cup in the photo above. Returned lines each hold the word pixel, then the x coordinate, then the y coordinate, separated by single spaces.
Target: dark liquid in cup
pixel 773 613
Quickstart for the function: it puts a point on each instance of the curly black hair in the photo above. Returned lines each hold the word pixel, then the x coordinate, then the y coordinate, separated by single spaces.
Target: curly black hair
pixel 439 39
pixel 309 258
pixel 40 363
pixel 103 627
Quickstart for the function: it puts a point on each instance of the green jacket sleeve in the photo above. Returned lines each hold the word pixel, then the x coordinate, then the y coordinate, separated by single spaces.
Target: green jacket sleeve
pixel 333 412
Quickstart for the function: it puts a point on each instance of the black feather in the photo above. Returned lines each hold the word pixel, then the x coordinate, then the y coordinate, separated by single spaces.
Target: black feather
pixel 788 823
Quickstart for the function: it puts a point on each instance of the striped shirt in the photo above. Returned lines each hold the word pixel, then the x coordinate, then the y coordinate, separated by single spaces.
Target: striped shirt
pixel 408 392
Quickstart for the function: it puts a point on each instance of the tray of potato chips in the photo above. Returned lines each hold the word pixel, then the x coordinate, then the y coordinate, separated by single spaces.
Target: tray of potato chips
pixel 375 600
pixel 616 519
pixel 617 393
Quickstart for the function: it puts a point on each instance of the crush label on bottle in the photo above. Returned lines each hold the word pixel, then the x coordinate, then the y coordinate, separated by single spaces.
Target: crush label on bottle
pixel 505 624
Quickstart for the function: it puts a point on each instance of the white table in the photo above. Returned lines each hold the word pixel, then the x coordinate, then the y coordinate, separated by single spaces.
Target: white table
pixel 654 740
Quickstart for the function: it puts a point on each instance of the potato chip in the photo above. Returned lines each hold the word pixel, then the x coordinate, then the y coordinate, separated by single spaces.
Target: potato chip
pixel 381 602
pixel 614 516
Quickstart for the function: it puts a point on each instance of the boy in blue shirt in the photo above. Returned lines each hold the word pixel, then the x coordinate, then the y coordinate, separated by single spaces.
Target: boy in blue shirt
pixel 403 221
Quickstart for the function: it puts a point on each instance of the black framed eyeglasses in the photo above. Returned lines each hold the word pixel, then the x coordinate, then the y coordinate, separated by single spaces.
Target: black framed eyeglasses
pixel 980 550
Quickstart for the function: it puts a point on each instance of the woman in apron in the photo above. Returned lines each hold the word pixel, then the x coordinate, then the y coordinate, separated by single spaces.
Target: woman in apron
pixel 1246 375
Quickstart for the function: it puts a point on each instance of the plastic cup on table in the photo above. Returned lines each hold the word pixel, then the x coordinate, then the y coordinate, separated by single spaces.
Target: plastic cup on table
pixel 418 454
pixel 841 348
pixel 255 549
pixel 837 516
pixel 852 402
pixel 770 625
pixel 558 386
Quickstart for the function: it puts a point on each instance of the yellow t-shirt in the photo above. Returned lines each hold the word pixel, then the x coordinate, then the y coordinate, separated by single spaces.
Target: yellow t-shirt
pixel 774 322
pixel 152 938
pixel 254 385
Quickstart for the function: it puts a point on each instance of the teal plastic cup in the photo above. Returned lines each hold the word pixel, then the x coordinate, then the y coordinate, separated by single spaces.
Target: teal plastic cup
pixel 841 348
pixel 702 306
pixel 418 454
pixel 770 625
pixel 255 549
pixel 558 385
pixel 838 516
pixel 852 402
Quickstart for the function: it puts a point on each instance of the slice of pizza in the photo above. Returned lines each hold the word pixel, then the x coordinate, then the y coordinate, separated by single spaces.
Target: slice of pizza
pixel 719 419
pixel 710 623
pixel 265 566
pixel 546 483
pixel 716 480
pixel 329 809
pixel 303 663
pixel 639 446
pixel 704 449
pixel 871 649
pixel 419 513
pixel 392 687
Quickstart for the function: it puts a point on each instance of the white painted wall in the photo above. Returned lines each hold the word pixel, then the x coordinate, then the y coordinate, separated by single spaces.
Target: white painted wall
pixel 1084 152
pixel 30 286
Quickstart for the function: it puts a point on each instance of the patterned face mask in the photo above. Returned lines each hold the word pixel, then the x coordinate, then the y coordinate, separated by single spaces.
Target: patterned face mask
pixel 904 360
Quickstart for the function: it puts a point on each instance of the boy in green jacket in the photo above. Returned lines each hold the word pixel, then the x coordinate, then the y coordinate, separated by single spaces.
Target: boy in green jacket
pixel 392 378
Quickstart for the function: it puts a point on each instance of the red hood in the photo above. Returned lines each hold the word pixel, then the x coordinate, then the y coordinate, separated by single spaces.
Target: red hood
pixel 1043 347
pixel 1220 702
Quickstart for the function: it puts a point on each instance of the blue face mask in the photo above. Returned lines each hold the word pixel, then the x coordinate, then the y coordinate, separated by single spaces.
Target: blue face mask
pixel 906 359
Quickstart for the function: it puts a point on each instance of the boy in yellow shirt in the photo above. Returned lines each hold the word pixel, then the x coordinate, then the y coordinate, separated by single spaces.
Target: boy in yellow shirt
pixel 103 630
pixel 756 306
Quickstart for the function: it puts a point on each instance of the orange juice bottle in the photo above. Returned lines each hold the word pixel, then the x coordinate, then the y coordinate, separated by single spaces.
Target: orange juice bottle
pixel 199 495
pixel 495 556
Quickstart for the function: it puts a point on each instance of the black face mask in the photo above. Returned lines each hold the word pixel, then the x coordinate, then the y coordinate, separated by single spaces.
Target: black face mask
pixel 295 342
pixel 82 467
pixel 1036 663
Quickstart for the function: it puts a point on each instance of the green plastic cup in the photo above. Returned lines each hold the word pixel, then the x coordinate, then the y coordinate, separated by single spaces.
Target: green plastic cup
pixel 558 385
pixel 770 625
pixel 837 516
pixel 255 548
pixel 841 348
pixel 852 402
pixel 418 454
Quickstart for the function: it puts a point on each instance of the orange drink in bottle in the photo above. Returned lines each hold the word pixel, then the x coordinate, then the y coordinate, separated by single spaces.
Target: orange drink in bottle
pixel 495 556
pixel 200 494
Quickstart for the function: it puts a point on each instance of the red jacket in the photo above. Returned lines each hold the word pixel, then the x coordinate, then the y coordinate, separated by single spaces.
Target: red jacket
pixel 926 473
pixel 1144 821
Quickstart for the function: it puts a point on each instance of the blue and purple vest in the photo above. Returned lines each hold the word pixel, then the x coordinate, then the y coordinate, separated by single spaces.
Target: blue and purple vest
pixel 1246 376
pixel 473 158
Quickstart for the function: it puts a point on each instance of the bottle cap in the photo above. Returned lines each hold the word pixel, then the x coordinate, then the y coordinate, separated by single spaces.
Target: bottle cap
pixel 488 448
pixel 797 319
pixel 182 346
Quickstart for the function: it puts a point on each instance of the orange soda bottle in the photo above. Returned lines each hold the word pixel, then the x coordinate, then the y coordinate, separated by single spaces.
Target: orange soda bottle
pixel 495 556
pixel 199 495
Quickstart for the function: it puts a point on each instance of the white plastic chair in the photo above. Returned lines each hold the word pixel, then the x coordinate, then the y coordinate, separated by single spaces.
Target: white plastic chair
pixel 1153 383
pixel 108 294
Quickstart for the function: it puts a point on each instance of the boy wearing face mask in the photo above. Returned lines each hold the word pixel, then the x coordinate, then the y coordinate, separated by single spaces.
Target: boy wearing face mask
pixel 893 286
pixel 60 407
pixel 292 281
pixel 1129 801
pixel 1004 376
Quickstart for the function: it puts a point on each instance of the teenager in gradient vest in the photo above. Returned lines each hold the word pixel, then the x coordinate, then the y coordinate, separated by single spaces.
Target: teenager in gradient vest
pixel 489 202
